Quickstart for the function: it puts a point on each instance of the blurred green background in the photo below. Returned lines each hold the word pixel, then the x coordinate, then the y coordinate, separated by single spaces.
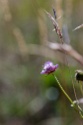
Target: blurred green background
pixel 26 97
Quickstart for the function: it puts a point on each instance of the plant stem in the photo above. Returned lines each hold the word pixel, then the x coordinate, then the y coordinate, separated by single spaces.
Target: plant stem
pixel 75 106
pixel 63 89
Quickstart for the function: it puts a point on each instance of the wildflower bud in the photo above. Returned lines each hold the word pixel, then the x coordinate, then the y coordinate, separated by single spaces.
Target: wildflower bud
pixel 49 67
pixel 79 75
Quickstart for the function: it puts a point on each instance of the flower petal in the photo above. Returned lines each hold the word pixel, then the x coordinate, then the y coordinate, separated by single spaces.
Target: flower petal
pixel 49 67
pixel 43 72
pixel 47 64
pixel 56 66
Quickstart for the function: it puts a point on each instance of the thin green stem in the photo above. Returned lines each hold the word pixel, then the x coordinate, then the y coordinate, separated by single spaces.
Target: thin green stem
pixel 75 106
pixel 71 101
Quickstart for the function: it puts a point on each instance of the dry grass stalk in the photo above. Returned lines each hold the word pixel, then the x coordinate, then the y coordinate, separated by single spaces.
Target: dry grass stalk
pixel 15 30
pixel 78 27
pixel 68 11
pixel 42 27
pixel 68 50
pixel 56 26
pixel 58 5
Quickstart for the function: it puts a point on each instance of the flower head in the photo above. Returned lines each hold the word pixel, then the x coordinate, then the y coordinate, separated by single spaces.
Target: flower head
pixel 49 67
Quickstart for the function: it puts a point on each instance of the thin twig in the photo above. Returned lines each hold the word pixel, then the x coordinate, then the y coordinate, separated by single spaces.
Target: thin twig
pixel 68 49
pixel 78 27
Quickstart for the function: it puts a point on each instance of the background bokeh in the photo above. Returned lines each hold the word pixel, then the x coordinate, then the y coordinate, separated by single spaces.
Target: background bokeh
pixel 26 97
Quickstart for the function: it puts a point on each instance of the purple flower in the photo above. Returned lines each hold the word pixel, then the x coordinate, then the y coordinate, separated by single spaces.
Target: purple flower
pixel 49 67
